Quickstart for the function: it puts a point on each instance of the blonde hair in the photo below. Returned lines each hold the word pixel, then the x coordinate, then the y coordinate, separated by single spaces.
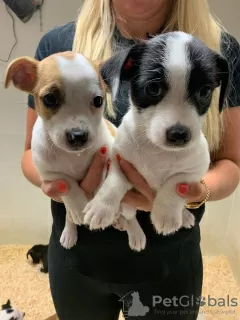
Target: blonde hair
pixel 95 27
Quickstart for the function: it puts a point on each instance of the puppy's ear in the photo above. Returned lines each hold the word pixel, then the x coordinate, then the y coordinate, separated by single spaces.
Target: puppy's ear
pixel 223 78
pixel 122 67
pixel 23 73
pixel 7 305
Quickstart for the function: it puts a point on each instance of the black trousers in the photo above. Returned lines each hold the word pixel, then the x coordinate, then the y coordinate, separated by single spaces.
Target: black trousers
pixel 80 297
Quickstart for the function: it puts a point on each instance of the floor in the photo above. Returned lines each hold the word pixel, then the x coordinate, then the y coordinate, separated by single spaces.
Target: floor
pixel 29 290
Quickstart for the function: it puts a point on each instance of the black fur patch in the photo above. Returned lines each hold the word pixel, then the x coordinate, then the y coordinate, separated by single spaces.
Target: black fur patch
pixel 7 305
pixel 39 254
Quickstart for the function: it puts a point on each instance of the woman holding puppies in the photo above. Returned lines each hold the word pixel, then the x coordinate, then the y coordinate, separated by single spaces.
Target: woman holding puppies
pixel 101 275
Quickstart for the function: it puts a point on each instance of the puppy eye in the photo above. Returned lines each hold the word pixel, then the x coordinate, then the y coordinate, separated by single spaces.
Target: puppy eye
pixel 205 93
pixel 153 89
pixel 50 100
pixel 97 101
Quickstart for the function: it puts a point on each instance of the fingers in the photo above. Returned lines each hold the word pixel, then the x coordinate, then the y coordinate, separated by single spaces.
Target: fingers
pixel 55 189
pixel 136 179
pixel 194 192
pixel 138 201
pixel 94 176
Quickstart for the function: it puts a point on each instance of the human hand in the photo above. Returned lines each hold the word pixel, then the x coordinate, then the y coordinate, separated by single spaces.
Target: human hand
pixel 194 192
pixel 141 198
pixel 58 188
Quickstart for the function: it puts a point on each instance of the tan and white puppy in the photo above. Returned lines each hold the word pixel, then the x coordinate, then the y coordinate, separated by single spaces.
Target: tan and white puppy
pixel 70 98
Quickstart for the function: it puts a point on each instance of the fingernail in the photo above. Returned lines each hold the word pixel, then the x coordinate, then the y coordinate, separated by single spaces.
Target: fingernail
pixel 183 188
pixel 118 157
pixel 103 151
pixel 61 186
pixel 108 164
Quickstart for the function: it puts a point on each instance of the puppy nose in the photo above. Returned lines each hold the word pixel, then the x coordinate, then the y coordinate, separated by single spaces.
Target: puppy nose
pixel 178 135
pixel 77 137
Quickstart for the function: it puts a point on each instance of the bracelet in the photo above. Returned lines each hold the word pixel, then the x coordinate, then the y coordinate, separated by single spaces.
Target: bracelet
pixel 196 205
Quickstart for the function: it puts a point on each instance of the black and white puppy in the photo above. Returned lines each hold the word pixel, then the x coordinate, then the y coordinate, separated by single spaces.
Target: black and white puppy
pixel 171 79
pixel 10 313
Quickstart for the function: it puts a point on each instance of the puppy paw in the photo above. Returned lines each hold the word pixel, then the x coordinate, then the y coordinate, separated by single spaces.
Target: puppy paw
pixel 119 226
pixel 74 208
pixel 99 214
pixel 75 215
pixel 136 237
pixel 166 223
pixel 188 219
pixel 137 242
pixel 69 238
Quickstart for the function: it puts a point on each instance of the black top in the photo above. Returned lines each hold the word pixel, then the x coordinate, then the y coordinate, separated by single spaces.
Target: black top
pixel 109 248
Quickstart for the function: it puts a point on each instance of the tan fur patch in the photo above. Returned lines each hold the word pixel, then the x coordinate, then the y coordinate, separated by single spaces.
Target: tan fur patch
pixel 49 81
pixel 111 128
pixel 67 55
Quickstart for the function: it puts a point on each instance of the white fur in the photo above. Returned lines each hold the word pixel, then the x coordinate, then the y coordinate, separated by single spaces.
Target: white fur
pixel 54 159
pixel 141 141
pixel 15 314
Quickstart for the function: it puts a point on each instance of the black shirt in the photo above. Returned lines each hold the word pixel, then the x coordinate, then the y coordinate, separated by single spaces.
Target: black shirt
pixel 108 250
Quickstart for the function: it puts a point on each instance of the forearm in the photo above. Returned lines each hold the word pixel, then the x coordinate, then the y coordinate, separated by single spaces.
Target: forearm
pixel 29 169
pixel 222 179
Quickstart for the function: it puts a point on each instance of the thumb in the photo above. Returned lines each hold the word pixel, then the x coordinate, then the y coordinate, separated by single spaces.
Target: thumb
pixel 190 191
pixel 183 189
pixel 54 188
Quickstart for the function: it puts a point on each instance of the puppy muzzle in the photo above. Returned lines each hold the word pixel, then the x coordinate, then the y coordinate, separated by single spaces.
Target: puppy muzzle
pixel 178 136
pixel 76 138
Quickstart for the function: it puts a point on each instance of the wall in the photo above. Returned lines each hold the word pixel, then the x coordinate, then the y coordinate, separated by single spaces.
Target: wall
pixel 25 214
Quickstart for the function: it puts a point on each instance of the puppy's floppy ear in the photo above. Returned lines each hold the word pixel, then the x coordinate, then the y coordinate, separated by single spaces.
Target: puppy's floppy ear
pixel 223 78
pixel 23 73
pixel 122 67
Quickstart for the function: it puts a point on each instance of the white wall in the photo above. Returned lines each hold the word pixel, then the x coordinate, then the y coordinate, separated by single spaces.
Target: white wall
pixel 25 213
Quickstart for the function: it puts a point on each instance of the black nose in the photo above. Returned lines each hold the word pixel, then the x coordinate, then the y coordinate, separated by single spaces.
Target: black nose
pixel 178 135
pixel 76 137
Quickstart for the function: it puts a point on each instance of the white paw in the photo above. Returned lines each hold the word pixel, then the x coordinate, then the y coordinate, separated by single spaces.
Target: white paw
pixel 188 219
pixel 76 216
pixel 136 237
pixel 137 240
pixel 69 238
pixel 119 225
pixel 98 214
pixel 166 223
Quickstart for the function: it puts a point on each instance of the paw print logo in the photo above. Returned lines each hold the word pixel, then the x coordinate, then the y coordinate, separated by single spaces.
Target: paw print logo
pixel 201 301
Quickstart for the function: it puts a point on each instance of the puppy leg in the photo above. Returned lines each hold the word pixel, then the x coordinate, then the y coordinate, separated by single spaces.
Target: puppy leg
pixel 74 201
pixel 69 235
pixel 167 212
pixel 188 219
pixel 101 211
pixel 136 236
pixel 44 269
